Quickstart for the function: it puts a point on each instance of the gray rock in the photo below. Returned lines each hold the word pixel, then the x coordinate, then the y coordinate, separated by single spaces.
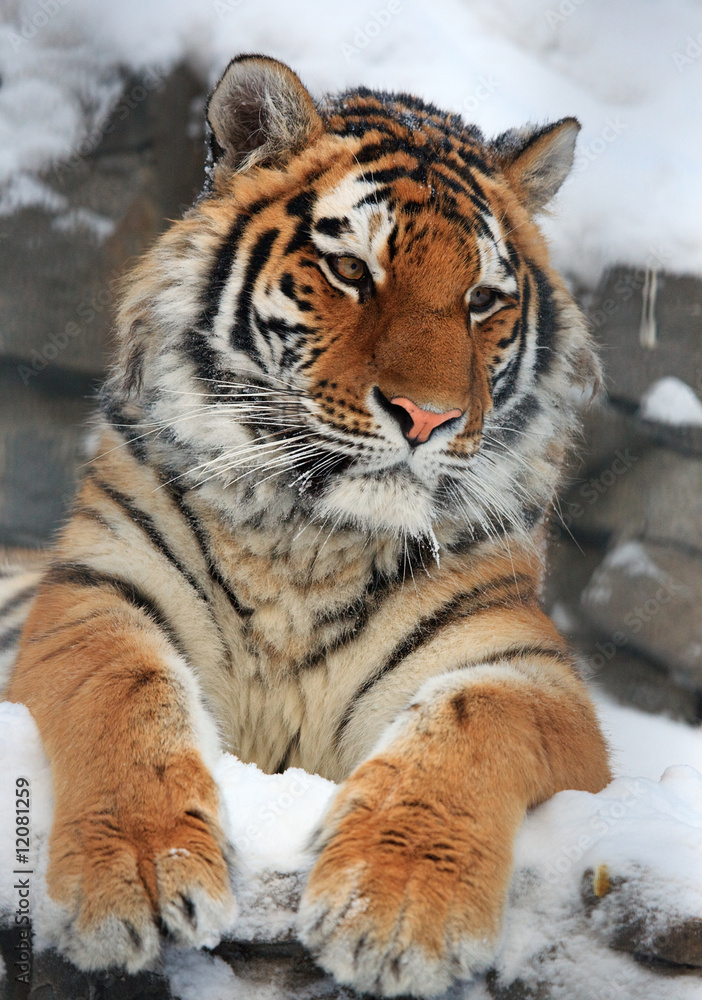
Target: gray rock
pixel 647 596
pixel 655 495
pixel 43 430
pixel 628 924
pixel 59 267
pixel 632 680
pixel 57 286
pixel 633 362
pixel 606 429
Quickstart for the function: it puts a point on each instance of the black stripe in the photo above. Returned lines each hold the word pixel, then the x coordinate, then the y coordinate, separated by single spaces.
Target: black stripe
pixel 80 575
pixel 146 523
pixel 221 268
pixel 517 652
pixel 10 638
pixel 514 422
pixel 355 617
pixel 285 759
pixel 547 323
pixel 207 361
pixel 83 510
pixel 300 207
pixel 125 426
pixel 332 226
pixel 241 334
pixel 287 286
pixel 177 495
pixel 460 606
pixel 507 379
pixel 19 598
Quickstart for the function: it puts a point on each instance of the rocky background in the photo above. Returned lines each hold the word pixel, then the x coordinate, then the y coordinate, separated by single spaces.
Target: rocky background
pixel 626 550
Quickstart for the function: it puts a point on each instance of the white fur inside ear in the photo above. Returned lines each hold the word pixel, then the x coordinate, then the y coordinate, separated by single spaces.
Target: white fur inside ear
pixel 536 161
pixel 258 111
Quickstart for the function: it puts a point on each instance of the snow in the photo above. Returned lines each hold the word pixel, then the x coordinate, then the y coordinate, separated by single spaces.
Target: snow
pixel 644 746
pixel 548 932
pixel 632 558
pixel 631 71
pixel 671 401
pixel 647 832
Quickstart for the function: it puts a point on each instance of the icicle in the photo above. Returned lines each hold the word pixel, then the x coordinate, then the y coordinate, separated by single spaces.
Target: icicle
pixel 648 332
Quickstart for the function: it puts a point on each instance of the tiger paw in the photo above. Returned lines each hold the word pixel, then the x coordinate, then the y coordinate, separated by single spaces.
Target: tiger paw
pixel 120 892
pixel 406 895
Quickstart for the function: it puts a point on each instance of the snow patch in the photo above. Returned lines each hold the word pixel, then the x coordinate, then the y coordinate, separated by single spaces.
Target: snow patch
pixel 671 401
pixel 647 833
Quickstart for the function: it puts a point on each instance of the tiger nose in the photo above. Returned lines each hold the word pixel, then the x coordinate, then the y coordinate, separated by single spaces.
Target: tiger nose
pixel 421 422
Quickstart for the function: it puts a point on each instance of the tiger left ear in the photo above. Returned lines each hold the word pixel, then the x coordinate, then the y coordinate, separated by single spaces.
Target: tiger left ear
pixel 259 113
pixel 536 161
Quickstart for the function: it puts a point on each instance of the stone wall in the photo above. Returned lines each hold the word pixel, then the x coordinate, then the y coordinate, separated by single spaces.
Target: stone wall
pixel 58 271
pixel 626 579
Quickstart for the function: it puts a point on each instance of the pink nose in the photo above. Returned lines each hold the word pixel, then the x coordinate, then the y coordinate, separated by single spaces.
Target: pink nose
pixel 423 421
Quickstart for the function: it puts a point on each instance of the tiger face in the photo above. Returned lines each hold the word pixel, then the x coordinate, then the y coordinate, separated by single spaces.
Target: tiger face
pixel 375 338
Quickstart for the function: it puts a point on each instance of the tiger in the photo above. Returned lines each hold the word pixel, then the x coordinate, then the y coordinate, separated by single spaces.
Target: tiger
pixel 313 535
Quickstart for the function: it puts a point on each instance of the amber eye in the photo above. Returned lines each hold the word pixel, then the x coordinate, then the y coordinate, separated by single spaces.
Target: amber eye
pixel 347 267
pixel 482 298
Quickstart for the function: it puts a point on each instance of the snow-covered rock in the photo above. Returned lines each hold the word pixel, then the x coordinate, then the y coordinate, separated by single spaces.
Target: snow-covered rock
pixel 671 401
pixel 596 876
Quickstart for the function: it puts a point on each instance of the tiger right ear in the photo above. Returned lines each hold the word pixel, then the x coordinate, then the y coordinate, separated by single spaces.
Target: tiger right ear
pixel 536 160
pixel 259 113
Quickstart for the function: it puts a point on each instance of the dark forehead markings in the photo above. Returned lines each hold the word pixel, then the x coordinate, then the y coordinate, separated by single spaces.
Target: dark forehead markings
pixel 332 226
pixel 300 206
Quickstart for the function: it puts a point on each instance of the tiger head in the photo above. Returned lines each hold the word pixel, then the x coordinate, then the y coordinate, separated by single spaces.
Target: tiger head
pixel 358 321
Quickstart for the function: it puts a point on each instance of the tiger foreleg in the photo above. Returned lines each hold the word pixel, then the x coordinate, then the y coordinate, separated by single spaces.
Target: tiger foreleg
pixel 415 852
pixel 137 850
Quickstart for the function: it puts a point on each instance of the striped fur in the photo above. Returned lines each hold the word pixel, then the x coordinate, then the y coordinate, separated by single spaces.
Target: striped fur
pixel 262 557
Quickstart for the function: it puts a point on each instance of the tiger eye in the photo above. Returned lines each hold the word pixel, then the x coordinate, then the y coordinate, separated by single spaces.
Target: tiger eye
pixel 482 298
pixel 347 267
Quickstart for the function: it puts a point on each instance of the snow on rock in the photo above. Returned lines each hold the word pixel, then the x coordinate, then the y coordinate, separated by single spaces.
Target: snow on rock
pixel 629 71
pixel 621 867
pixel 671 401
pixel 271 818
pixel 644 745
pixel 632 559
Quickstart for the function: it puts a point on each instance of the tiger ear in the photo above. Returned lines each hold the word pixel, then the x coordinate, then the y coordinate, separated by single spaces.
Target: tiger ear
pixel 536 161
pixel 259 113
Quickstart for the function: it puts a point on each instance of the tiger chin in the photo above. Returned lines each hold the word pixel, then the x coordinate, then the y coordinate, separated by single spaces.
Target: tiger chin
pixel 313 535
